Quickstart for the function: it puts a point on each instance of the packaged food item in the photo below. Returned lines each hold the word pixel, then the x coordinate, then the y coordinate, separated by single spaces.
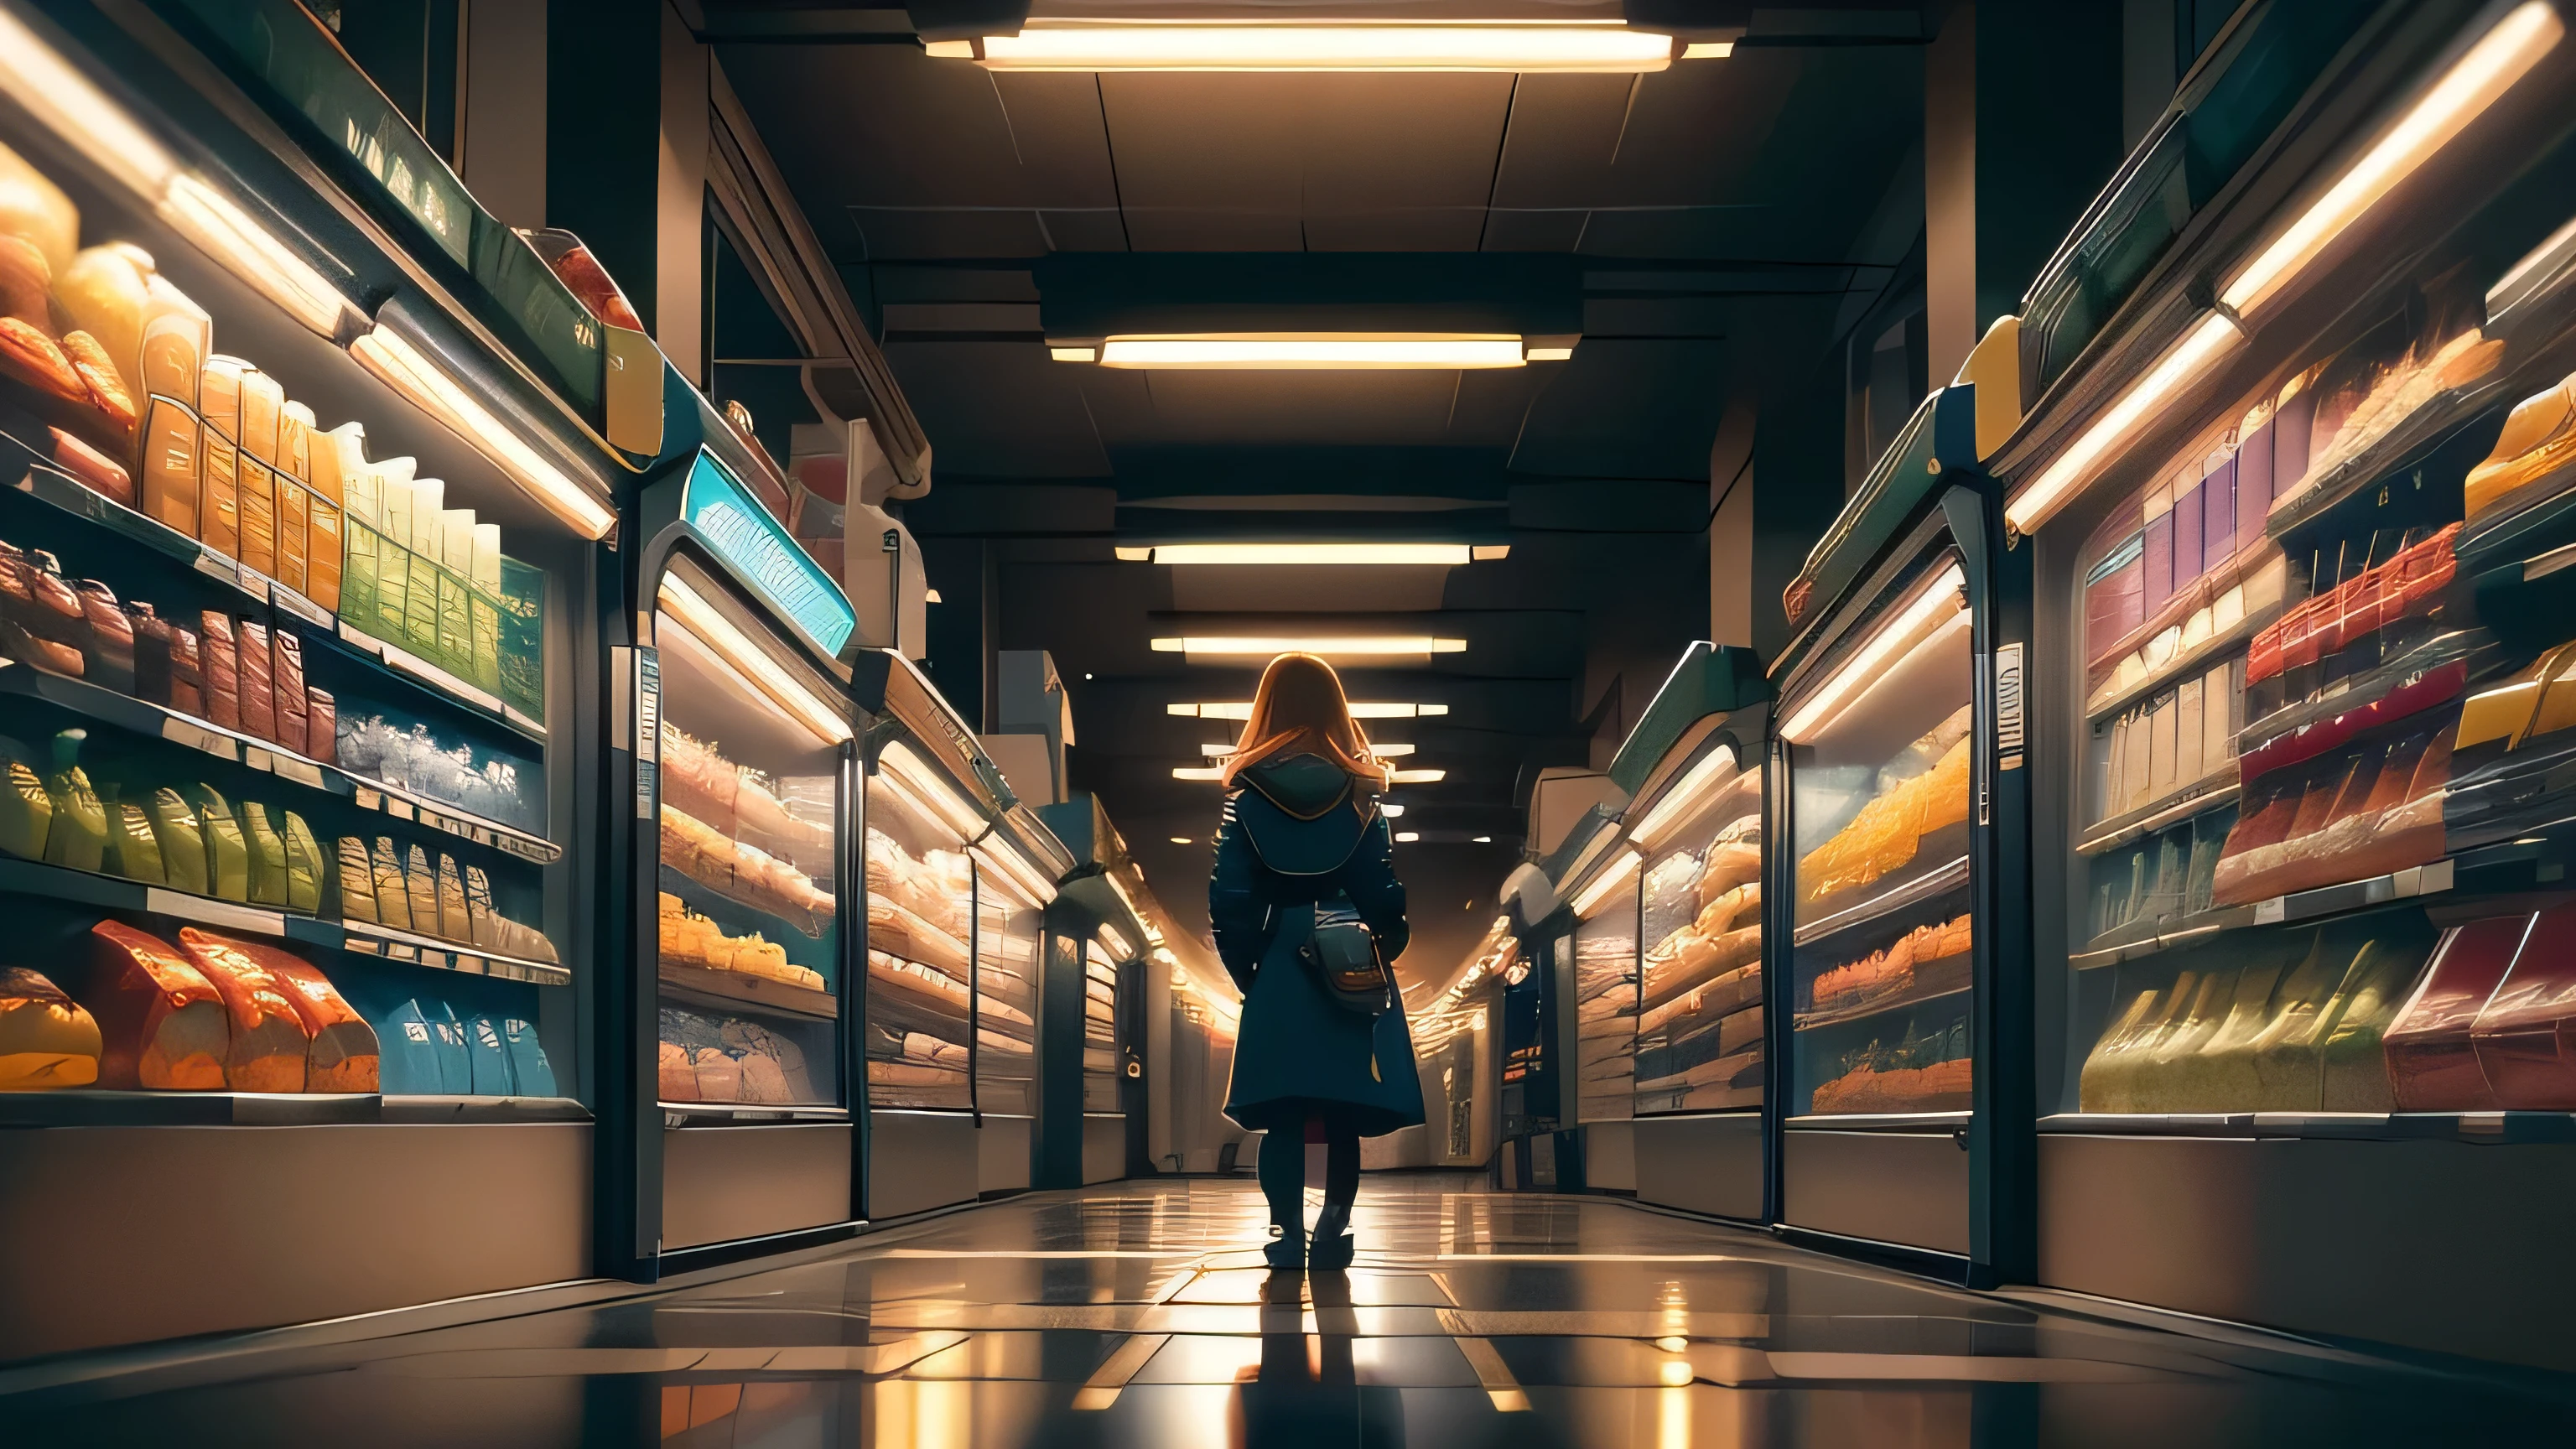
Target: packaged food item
pixel 265 849
pixel 42 618
pixel 420 889
pixel 182 840
pixel 26 811
pixel 306 867
pixel 393 896
pixel 177 335
pixel 173 463
pixel 321 725
pixel 482 923
pixel 528 1064
pixel 2530 457
pixel 103 293
pixel 357 874
pixel 46 1038
pixel 187 671
pixel 78 835
pixel 227 852
pixel 679 1077
pixel 334 454
pixel 219 495
pixel 258 681
pixel 294 710
pixel 115 408
pixel 133 851
pixel 343 1055
pixel 162 1025
pixel 255 490
pixel 294 516
pixel 151 653
pixel 269 1039
pixel 108 658
pixel 454 921
pixel 93 469
pixel 221 670
pixel 25 279
pixel 2524 1034
pixel 2352 1058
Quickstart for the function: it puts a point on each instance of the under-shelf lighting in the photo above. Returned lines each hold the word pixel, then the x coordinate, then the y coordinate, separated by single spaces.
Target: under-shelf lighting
pixel 1617 873
pixel 926 786
pixel 1314 351
pixel 1329 646
pixel 2474 82
pixel 1033 887
pixel 226 233
pixel 1241 709
pixel 1114 941
pixel 58 96
pixel 1310 553
pixel 1687 795
pixel 1595 48
pixel 1945 590
pixel 2173 374
pixel 406 371
pixel 702 622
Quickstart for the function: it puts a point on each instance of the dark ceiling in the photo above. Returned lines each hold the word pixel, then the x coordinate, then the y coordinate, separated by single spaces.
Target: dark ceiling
pixel 1706 229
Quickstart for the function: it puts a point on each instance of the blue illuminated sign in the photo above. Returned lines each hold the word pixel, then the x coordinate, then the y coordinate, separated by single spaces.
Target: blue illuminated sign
pixel 741 532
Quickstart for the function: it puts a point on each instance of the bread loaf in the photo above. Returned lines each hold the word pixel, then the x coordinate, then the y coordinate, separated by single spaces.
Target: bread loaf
pixel 177 334
pixel 221 670
pixel 265 848
pixel 258 682
pixel 108 659
pixel 162 1025
pixel 342 1053
pixel 102 291
pixel 26 811
pixel 357 881
pixel 219 494
pixel 269 1038
pixel 93 469
pixel 46 1038
pixel 173 463
pixel 133 851
pixel 187 671
pixel 393 897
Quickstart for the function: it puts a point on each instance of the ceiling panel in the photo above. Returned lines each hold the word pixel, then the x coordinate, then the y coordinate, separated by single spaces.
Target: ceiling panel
pixel 1280 407
pixel 997 409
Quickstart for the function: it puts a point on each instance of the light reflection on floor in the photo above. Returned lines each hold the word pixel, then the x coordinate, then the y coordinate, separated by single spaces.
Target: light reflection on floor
pixel 1141 1314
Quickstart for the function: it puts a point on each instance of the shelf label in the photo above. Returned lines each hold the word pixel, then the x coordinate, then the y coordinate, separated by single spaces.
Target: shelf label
pixel 212 912
pixel 648 733
pixel 2008 707
pixel 765 556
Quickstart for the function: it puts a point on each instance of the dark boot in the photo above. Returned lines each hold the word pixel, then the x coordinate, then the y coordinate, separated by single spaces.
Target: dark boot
pixel 1332 1245
pixel 1287 1249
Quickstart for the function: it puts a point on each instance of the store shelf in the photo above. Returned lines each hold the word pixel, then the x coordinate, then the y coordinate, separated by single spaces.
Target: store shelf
pixel 1941 988
pixel 437 681
pixel 724 1114
pixel 2348 898
pixel 387 944
pixel 102 705
pixel 2476 1127
pixel 1929 886
pixel 732 990
pixel 706 900
pixel 2438 423
pixel 1883 1121
pixel 919 940
pixel 439 1109
pixel 50 485
pixel 115 893
pixel 2220 787
pixel 2471 648
pixel 95 1107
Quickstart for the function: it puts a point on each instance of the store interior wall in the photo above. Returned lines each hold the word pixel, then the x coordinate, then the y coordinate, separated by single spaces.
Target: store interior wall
pixel 502 141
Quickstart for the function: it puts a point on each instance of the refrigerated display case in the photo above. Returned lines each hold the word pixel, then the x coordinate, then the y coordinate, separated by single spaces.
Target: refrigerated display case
pixel 290 628
pixel 1881 903
pixel 2299 846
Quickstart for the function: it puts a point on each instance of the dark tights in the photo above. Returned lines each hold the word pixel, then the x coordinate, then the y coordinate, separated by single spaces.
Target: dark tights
pixel 1283 1171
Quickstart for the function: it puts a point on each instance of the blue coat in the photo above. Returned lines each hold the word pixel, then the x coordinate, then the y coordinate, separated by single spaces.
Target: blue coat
pixel 1297 832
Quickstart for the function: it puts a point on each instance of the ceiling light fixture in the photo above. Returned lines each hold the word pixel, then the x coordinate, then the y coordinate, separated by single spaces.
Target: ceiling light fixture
pixel 1484 840
pixel 1329 646
pixel 1391 812
pixel 407 371
pixel 1420 777
pixel 1713 769
pixel 1945 590
pixel 1380 748
pixel 1241 709
pixel 2473 83
pixel 2173 374
pixel 1314 553
pixel 1180 840
pixel 1198 772
pixel 1407 837
pixel 1595 48
pixel 1314 351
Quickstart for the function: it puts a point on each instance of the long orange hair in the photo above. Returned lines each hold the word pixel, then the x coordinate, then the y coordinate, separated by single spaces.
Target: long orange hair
pixel 1300 709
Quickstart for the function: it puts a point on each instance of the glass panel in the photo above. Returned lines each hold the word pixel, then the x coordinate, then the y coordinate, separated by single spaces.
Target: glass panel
pixel 1099 1029
pixel 1605 1001
pixel 921 928
pixel 1880 781
pixel 749 934
pixel 1009 931
pixel 1699 1028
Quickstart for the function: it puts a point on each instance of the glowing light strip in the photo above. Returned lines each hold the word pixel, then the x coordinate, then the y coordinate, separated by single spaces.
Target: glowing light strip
pixel 407 372
pixel 2473 83
pixel 1611 878
pixel 1598 49
pixel 2174 373
pixel 699 619
pixel 1713 769
pixel 1384 750
pixel 1312 351
pixel 226 233
pixel 1945 589
pixel 962 815
pixel 1326 645
pixel 1307 553
pixel 1023 881
pixel 1420 777
pixel 1241 709
pixel 48 88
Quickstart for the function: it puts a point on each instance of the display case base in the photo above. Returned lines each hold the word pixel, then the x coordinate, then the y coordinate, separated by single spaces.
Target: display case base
pixel 723 1183
pixel 222 1229
pixel 921 1160
pixel 1104 1147
pixel 1002 1154
pixel 2446 1246
pixel 1906 1188
pixel 1701 1164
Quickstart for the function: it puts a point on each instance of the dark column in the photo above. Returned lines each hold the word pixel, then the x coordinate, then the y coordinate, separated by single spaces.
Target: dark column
pixel 626 157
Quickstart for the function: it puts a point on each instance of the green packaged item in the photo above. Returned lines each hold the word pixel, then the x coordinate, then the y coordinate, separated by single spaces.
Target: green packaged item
pixel 305 867
pixel 26 811
pixel 266 851
pixel 393 901
pixel 523 634
pixel 132 850
pixel 78 835
pixel 2285 1056
pixel 183 843
pixel 2353 1060
pixel 420 886
pixel 360 545
pixel 2222 1072
pixel 227 853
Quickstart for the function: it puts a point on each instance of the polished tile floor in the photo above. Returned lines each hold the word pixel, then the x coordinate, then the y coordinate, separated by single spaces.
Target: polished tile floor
pixel 1139 1314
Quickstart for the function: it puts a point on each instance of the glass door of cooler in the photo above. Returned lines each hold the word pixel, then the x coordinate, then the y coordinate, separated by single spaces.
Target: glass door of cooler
pixel 1100 1018
pixel 1010 930
pixel 1879 748
pixel 749 935
pixel 1605 992
pixel 922 949
pixel 1699 1003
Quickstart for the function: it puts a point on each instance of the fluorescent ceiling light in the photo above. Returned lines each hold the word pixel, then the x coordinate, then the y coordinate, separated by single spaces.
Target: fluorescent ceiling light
pixel 1180 840
pixel 1241 709
pixel 2474 82
pixel 2173 374
pixel 1483 840
pixel 1316 351
pixel 1596 48
pixel 1610 879
pixel 1708 50
pixel 1391 812
pixel 1407 837
pixel 1328 645
pixel 1074 354
pixel 406 371
pixel 1944 591
pixel 1687 794
pixel 1379 748
pixel 1197 772
pixel 1420 777
pixel 1305 553
pixel 701 621
pixel 1550 354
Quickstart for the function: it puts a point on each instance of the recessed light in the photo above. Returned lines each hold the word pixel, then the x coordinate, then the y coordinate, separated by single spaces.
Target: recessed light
pixel 1407 837
pixel 1484 840
pixel 1391 812
pixel 1180 840
pixel 1329 646
pixel 1241 709
pixel 1313 553
pixel 1086 676
pixel 1117 46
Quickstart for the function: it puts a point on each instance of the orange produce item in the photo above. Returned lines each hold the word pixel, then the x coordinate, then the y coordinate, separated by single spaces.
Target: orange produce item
pixel 270 1040
pixel 161 1021
pixel 344 1055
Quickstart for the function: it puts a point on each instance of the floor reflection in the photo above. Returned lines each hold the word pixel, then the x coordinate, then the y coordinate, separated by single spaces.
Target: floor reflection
pixel 1141 1315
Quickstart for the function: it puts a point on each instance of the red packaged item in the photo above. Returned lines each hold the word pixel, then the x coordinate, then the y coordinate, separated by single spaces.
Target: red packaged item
pixel 187 672
pixel 42 620
pixel 258 686
pixel 269 1038
pixel 2526 1037
pixel 321 726
pixel 2432 1066
pixel 93 469
pixel 344 1055
pixel 151 654
pixel 286 653
pixel 108 658
pixel 161 1020
pixel 222 671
